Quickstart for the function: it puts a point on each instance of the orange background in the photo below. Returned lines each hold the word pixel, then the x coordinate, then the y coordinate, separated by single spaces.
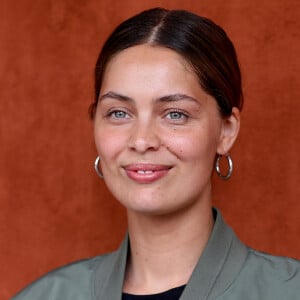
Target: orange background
pixel 53 207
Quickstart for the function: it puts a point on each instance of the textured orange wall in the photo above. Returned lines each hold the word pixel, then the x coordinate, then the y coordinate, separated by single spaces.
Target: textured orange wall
pixel 53 208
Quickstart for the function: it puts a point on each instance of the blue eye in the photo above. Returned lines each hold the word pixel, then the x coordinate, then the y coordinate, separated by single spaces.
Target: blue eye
pixel 176 115
pixel 118 114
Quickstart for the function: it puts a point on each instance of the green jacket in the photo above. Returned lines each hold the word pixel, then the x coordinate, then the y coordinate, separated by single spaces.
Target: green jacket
pixel 226 270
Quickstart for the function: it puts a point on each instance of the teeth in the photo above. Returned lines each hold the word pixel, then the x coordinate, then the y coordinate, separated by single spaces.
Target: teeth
pixel 144 172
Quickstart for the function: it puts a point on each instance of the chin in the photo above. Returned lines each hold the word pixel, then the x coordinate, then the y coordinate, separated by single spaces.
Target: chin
pixel 159 207
pixel 145 207
pixel 150 212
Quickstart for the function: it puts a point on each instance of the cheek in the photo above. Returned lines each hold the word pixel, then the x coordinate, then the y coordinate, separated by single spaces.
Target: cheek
pixel 194 143
pixel 109 143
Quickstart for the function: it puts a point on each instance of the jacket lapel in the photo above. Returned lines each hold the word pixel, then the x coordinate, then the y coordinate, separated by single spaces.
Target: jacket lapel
pixel 109 276
pixel 219 264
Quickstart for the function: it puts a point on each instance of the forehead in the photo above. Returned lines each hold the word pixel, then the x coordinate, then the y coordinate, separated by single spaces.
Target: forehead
pixel 143 54
pixel 144 73
pixel 146 65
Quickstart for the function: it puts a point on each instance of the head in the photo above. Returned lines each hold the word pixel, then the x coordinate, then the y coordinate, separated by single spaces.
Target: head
pixel 204 45
pixel 167 97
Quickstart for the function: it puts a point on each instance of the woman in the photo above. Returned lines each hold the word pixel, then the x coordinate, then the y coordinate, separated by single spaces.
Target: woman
pixel 167 110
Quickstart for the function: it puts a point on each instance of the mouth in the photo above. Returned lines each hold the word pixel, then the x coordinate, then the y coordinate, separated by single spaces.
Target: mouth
pixel 146 173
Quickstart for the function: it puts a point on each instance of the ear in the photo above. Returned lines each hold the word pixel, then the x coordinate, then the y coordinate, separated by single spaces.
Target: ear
pixel 229 132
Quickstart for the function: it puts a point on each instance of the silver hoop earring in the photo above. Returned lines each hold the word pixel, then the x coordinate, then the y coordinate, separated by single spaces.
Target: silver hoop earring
pixel 96 166
pixel 230 167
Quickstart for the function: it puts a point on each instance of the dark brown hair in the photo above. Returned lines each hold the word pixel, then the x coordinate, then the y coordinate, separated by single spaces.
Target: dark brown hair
pixel 202 43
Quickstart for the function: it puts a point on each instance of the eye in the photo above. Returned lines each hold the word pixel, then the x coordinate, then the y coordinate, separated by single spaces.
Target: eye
pixel 118 114
pixel 176 115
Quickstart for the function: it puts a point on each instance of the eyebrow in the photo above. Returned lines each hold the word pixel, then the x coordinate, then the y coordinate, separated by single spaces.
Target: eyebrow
pixel 177 97
pixel 167 98
pixel 113 95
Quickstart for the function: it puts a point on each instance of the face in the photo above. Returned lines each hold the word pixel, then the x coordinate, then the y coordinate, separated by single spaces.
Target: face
pixel 157 132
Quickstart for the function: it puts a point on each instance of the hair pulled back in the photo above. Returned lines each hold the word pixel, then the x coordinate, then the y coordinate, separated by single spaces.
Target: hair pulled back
pixel 203 44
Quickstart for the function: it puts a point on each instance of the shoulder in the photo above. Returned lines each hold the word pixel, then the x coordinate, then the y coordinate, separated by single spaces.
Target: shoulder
pixel 282 268
pixel 73 281
pixel 265 276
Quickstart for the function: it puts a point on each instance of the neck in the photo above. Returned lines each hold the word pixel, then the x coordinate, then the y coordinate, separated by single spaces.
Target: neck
pixel 165 249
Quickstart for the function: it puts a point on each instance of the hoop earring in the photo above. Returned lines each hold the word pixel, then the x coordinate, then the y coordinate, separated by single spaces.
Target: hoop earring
pixel 96 166
pixel 230 167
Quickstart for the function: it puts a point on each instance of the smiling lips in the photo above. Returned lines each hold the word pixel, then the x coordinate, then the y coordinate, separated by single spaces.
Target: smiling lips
pixel 146 173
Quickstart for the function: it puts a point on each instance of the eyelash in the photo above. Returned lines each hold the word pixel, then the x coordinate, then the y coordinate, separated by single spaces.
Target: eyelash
pixel 113 113
pixel 183 114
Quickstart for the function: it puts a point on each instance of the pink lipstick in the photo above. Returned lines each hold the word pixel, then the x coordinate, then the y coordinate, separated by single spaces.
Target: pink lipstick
pixel 146 173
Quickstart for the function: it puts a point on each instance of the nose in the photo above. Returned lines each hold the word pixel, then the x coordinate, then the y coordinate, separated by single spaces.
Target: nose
pixel 144 137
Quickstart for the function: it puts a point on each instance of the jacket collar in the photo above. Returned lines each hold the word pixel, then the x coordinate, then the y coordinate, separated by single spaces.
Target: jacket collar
pixel 216 269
